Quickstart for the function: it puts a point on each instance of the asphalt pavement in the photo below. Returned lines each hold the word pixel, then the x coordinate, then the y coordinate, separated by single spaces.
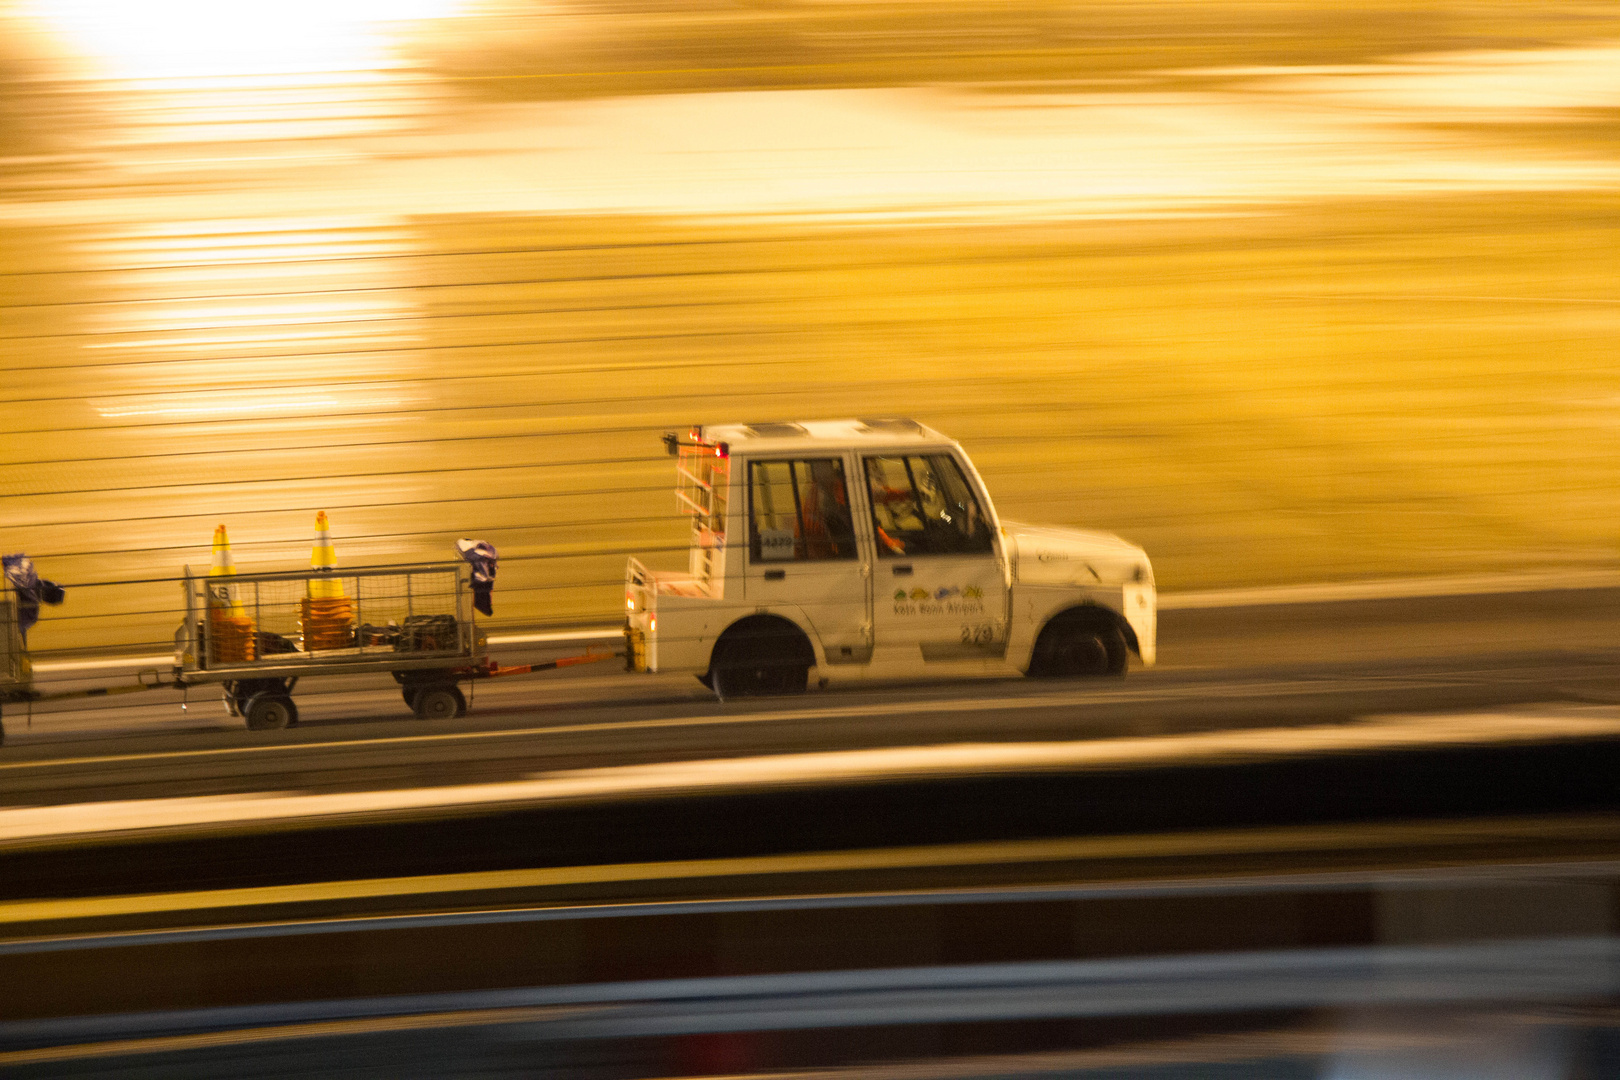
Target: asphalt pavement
pixel 1276 666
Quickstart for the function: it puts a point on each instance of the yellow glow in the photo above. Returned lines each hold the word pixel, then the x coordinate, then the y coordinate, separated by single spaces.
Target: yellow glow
pixel 243 404
pixel 162 39
pixel 205 243
pixel 213 342
pixel 227 314
pixel 319 286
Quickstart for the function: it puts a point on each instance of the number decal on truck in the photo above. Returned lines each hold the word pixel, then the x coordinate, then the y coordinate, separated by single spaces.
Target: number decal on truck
pixel 979 634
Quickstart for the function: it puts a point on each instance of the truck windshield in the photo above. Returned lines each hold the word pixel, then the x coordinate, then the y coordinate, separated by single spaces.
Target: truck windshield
pixel 922 505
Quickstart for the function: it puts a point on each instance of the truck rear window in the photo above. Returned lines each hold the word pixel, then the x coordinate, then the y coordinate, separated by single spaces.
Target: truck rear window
pixel 799 510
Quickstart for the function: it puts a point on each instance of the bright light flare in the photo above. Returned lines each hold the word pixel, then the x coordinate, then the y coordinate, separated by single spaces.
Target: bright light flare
pixel 167 39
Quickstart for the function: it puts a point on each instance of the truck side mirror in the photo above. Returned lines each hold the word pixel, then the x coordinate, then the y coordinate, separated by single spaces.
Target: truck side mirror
pixel 672 443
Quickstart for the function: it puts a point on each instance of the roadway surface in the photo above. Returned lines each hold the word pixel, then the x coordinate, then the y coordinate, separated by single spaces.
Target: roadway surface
pixel 1215 864
pixel 1275 666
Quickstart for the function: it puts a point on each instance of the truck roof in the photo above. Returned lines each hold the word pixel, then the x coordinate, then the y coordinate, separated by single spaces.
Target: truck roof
pixel 792 436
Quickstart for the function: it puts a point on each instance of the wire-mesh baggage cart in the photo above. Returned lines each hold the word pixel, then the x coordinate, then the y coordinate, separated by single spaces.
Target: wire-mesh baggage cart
pixel 258 634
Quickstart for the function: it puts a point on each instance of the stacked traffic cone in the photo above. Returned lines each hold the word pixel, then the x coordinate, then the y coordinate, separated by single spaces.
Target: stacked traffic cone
pixel 230 631
pixel 328 616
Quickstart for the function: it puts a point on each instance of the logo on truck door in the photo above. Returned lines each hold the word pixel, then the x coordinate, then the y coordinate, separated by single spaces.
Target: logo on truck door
pixel 945 600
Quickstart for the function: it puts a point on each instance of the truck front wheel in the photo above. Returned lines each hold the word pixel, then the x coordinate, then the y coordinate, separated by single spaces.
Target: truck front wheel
pixel 1079 644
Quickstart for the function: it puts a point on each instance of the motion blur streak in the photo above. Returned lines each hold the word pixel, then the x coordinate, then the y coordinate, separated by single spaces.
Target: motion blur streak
pixel 1248 842
pixel 159 39
pixel 168 73
pixel 1352 979
pixel 827 768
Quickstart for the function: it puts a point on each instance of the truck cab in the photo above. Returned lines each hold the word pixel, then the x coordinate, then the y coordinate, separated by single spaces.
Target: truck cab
pixel 870 548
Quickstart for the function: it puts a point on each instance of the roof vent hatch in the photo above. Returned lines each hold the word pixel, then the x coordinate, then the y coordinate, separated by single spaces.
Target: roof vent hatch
pixel 893 425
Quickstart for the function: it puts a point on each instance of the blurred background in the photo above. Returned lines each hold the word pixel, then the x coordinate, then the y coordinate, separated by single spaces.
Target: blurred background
pixel 1282 292
pixel 1287 293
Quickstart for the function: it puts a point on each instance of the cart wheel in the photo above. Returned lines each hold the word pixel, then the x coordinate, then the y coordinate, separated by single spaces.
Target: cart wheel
pixel 439 703
pixel 270 712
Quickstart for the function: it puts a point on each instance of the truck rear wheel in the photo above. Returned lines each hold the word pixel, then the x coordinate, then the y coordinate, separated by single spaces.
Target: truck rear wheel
pixel 1079 645
pixel 761 656
pixel 760 680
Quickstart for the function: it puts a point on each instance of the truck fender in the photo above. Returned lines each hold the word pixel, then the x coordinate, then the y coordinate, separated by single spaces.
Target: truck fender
pixel 775 631
pixel 1027 632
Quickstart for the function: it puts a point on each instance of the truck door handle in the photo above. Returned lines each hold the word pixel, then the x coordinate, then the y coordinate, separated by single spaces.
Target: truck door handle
pixel 903 570
pixel 775 575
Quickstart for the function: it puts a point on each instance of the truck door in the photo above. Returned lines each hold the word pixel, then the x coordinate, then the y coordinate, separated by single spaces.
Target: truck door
pixel 802 551
pixel 938 584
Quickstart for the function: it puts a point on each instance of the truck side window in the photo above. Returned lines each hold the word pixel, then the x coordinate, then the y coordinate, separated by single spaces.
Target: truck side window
pixel 799 511
pixel 922 505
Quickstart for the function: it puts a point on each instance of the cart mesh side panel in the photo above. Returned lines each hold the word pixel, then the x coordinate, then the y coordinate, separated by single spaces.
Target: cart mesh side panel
pixel 277 621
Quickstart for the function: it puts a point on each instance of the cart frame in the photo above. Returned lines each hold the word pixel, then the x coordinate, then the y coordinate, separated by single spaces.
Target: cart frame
pixel 260 688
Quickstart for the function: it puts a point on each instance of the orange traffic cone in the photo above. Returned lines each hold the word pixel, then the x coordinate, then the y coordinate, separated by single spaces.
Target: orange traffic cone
pixel 328 617
pixel 230 631
pixel 222 595
pixel 323 560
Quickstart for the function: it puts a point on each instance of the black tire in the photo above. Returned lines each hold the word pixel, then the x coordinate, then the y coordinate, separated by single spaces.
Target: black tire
pixel 1075 648
pixel 241 691
pixel 270 712
pixel 762 679
pixel 789 679
pixel 761 655
pixel 439 702
pixel 731 683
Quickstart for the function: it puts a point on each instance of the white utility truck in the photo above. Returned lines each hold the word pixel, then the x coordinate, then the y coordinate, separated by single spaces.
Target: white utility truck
pixel 870 548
